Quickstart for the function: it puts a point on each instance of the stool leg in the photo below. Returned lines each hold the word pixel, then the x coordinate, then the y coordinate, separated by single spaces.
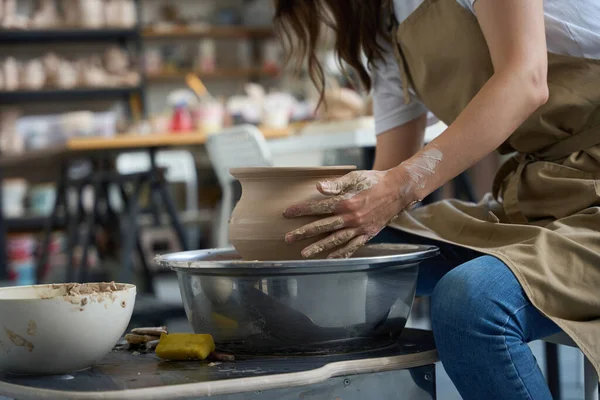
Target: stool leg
pixel 590 380
pixel 172 211
pixel 73 232
pixel 552 370
pixel 50 224
pixel 129 233
pixel 88 236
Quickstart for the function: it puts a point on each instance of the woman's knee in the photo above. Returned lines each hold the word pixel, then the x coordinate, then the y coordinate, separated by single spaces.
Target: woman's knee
pixel 471 296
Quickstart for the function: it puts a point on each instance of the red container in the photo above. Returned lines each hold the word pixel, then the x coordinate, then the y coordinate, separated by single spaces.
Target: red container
pixel 182 120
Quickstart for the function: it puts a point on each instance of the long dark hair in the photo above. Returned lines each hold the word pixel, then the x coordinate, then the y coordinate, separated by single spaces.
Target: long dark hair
pixel 356 23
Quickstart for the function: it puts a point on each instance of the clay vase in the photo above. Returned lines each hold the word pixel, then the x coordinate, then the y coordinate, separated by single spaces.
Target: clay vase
pixel 257 227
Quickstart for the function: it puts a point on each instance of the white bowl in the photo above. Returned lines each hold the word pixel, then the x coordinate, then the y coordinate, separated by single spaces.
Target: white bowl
pixel 45 331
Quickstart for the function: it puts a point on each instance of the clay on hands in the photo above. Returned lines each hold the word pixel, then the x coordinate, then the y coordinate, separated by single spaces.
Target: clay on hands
pixel 362 203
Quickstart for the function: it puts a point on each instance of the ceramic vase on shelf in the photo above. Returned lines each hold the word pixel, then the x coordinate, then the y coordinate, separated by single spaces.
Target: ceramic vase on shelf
pixel 46 15
pixel 92 13
pixel 120 13
pixel 33 75
pixel 257 227
pixel 11 74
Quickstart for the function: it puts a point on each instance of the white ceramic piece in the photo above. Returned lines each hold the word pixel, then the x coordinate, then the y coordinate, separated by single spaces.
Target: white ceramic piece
pixel 46 15
pixel 33 75
pixel 70 10
pixel 13 196
pixel 128 14
pixel 91 72
pixel 67 75
pixel 12 19
pixel 120 13
pixel 116 60
pixel 45 332
pixel 11 74
pixel 92 13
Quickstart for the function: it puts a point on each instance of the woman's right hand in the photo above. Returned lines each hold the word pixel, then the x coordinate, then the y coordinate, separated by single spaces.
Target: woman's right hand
pixel 360 205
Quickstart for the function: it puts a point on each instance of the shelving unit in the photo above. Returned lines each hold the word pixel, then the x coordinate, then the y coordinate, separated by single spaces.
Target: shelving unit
pixel 153 34
pixel 66 35
pixel 208 31
pixel 218 74
pixel 29 224
pixel 123 36
pixel 24 96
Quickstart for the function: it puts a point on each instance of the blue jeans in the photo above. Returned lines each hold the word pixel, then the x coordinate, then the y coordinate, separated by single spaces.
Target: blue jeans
pixel 481 321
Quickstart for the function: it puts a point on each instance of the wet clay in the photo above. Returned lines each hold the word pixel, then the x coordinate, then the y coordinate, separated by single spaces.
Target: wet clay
pixel 31 328
pixel 76 289
pixel 257 227
pixel 423 165
pixel 82 294
pixel 18 340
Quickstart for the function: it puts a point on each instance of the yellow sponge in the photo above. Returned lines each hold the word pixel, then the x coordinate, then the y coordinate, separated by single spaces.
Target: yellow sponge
pixel 185 346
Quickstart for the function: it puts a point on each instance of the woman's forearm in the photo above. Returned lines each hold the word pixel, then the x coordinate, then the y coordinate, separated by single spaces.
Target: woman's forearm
pixel 399 144
pixel 501 106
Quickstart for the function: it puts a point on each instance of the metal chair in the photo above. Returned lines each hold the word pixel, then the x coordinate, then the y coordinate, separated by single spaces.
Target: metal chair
pixel 236 147
pixel 590 377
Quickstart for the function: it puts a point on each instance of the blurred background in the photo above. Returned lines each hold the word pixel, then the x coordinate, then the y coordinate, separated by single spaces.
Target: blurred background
pixel 120 118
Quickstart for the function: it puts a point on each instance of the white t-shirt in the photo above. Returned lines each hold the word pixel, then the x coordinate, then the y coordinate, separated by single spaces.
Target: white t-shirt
pixel 572 28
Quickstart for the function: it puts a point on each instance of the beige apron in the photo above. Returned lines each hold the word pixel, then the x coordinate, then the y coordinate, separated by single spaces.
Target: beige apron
pixel 543 219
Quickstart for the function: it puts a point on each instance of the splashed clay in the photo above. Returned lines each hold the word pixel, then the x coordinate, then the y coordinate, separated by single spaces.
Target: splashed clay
pixel 257 227
pixel 75 289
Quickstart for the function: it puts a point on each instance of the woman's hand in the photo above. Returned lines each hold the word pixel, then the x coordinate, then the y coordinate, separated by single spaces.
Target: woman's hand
pixel 362 203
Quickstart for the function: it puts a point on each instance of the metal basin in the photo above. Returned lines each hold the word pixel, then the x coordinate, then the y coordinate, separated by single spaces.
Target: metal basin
pixel 305 306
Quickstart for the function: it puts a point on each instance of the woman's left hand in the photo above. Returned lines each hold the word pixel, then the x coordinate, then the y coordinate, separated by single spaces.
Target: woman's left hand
pixel 362 203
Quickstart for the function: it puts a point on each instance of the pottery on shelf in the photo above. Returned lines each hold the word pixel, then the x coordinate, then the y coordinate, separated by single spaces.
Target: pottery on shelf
pixel 257 227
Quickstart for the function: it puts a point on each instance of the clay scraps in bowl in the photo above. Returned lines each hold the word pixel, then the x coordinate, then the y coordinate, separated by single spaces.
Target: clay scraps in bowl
pixel 75 289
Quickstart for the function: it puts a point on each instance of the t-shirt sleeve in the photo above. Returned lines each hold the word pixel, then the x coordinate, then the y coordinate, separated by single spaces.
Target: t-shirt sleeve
pixel 468 4
pixel 389 108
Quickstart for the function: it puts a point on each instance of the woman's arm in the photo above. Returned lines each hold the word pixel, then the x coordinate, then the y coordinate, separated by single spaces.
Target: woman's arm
pixel 364 202
pixel 399 144
pixel 515 34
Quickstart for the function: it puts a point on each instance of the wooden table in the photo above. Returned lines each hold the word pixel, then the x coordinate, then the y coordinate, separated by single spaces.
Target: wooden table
pixel 136 141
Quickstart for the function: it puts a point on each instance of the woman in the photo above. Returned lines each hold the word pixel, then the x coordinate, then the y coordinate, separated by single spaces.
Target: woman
pixel 518 76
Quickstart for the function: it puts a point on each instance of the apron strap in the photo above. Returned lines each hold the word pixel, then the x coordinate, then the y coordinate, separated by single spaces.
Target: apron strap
pixel 393 31
pixel 510 196
pixel 577 142
pixel 505 170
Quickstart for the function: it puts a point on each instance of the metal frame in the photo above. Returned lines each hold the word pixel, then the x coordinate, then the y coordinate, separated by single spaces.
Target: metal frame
pixel 101 178
pixel 590 377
